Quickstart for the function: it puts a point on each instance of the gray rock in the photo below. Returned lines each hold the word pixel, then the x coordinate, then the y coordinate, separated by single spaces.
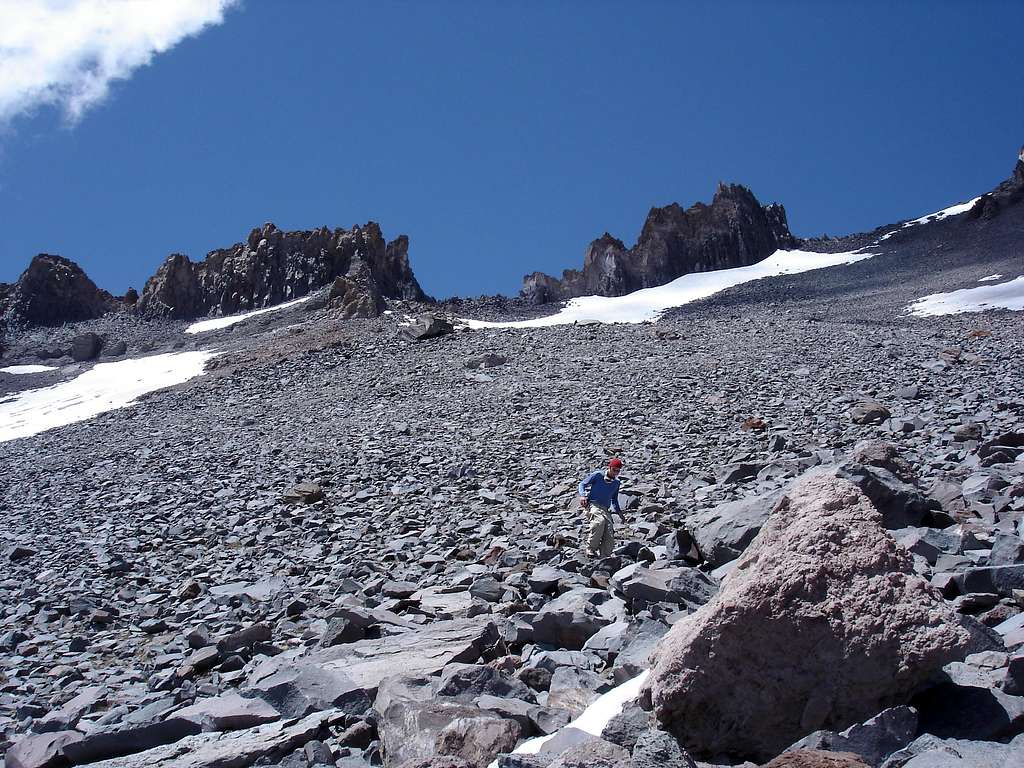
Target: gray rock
pixel 952 711
pixel 928 751
pixel 86 347
pixel 410 729
pixel 428 326
pixel 235 748
pixel 688 586
pixel 657 749
pixel 298 687
pixel 724 531
pixel 478 740
pixel 422 651
pixel 229 712
pixel 593 753
pixel 43 750
pixel 1000 579
pixel 570 619
pixel 627 726
pixel 873 740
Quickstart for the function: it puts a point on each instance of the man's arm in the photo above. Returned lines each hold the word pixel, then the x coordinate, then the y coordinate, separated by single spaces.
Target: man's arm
pixel 588 481
pixel 615 499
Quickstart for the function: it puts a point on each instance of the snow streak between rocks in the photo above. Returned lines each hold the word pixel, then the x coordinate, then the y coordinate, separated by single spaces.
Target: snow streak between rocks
pixel 217 323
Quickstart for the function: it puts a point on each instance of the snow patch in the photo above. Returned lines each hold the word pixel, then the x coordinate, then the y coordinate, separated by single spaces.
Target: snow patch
pixel 594 718
pixel 19 370
pixel 648 303
pixel 1008 295
pixel 217 323
pixel 945 213
pixel 103 388
pixel 990 278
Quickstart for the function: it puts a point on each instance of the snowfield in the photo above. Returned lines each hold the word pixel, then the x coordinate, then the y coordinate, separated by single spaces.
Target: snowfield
pixel 21 370
pixel 945 213
pixel 648 303
pixel 217 323
pixel 103 388
pixel 1008 295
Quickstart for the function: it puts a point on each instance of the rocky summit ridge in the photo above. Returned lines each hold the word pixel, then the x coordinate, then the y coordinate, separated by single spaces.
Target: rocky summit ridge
pixel 272 267
pixel 735 230
pixel 269 268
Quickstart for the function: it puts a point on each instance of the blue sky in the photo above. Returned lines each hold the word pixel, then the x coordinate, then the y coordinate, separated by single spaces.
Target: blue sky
pixel 503 137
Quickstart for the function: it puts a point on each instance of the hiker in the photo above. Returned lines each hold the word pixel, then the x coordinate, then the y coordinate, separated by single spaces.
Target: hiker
pixel 599 496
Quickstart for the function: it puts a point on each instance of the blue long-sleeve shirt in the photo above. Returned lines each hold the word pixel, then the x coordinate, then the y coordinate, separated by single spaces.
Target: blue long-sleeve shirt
pixel 601 491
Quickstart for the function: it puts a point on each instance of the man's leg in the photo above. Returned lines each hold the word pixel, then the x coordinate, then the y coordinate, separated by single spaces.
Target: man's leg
pixel 595 537
pixel 608 540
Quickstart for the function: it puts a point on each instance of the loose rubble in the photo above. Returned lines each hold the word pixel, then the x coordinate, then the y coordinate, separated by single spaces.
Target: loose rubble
pixel 350 543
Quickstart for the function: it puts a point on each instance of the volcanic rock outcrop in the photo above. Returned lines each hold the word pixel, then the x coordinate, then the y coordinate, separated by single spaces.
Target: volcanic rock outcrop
pixel 734 231
pixel 822 623
pixel 52 291
pixel 274 266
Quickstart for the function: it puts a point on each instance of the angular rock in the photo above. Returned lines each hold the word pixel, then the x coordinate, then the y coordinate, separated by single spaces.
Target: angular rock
pixel 295 688
pixel 570 619
pixel 229 712
pixel 478 740
pixel 272 267
pixel 657 749
pixel 593 753
pixel 44 750
pixel 724 531
pixel 224 750
pixel 687 586
pixel 86 347
pixel 411 729
pixel 53 291
pixel 952 711
pixel 872 741
pixel 734 230
pixel 428 326
pixel 422 651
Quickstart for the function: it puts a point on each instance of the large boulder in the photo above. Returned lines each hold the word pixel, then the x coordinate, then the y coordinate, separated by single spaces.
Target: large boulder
pixel 821 624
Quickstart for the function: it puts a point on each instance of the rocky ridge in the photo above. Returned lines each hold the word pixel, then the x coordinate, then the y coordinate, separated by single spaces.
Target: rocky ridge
pixel 357 265
pixel 733 231
pixel 272 267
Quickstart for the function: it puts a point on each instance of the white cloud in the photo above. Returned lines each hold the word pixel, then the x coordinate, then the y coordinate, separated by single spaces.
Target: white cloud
pixel 66 53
